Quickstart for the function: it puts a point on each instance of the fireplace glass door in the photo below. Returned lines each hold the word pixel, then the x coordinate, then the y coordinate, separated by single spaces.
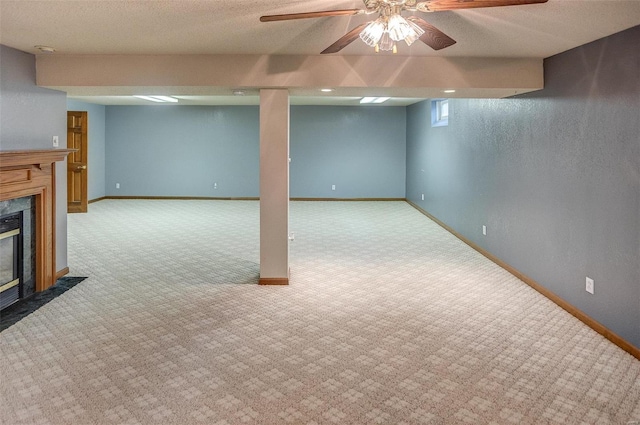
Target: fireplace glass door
pixel 10 259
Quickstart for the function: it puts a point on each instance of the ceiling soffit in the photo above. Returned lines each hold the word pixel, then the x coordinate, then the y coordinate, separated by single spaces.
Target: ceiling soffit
pixel 209 75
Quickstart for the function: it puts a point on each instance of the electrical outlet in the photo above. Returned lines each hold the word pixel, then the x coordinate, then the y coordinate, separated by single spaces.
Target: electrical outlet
pixel 56 141
pixel 484 230
pixel 333 187
pixel 423 196
pixel 117 185
pixel 589 286
pixel 215 185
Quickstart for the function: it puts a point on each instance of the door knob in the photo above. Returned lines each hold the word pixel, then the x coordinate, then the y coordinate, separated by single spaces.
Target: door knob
pixel 81 167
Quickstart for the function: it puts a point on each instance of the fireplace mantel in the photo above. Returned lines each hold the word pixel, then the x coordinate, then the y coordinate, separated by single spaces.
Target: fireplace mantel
pixel 32 172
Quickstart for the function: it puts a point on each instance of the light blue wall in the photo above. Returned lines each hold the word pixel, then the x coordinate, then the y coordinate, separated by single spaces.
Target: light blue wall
pixel 359 149
pixel 30 115
pixel 29 118
pixel 555 176
pixel 170 150
pixel 96 143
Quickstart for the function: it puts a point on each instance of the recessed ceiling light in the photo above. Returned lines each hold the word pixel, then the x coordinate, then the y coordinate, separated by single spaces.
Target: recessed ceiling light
pixel 326 90
pixel 45 49
pixel 166 98
pixel 149 98
pixel 374 99
pixel 159 99
pixel 449 91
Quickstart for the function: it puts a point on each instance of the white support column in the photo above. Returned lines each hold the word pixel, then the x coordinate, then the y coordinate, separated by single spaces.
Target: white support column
pixel 274 187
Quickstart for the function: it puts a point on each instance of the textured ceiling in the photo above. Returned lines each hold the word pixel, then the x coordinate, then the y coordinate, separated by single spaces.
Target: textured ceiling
pixel 233 27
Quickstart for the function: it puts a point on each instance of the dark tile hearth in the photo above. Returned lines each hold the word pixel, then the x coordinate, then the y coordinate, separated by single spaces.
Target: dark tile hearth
pixel 21 309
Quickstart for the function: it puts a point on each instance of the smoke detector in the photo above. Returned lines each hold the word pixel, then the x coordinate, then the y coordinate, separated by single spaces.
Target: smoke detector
pixel 45 49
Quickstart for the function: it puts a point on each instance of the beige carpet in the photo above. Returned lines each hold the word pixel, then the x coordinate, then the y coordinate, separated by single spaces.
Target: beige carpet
pixel 388 320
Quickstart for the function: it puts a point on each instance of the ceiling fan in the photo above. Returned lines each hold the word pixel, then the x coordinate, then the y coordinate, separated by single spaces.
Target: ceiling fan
pixel 391 27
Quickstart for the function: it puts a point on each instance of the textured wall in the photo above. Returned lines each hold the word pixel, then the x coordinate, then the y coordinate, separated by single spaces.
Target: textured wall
pixel 96 137
pixel 169 150
pixel 29 117
pixel 359 149
pixel 181 151
pixel 554 175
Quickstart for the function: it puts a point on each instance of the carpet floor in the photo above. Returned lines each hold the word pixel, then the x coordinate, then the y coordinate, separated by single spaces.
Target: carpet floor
pixel 388 319
pixel 21 309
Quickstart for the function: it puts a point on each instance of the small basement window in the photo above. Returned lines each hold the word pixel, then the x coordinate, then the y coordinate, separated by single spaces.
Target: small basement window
pixel 439 112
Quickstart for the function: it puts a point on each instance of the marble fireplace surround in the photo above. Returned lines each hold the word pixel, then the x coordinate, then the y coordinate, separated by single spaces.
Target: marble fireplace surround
pixel 32 173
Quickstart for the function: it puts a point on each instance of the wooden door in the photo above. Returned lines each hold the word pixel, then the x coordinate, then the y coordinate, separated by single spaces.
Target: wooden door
pixel 77 201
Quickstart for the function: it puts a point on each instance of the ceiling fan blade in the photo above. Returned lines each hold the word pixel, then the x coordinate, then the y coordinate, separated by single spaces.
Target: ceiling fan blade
pixel 438 5
pixel 432 36
pixel 345 40
pixel 306 15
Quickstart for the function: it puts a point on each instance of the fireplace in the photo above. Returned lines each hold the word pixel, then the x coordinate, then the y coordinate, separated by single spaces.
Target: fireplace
pixel 17 256
pixel 10 259
pixel 27 211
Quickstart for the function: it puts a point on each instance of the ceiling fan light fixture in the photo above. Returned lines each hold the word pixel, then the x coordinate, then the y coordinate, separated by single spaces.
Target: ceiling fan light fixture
pixel 386 43
pixel 384 32
pixel 411 38
pixel 372 33
pixel 398 28
pixel 390 27
pixel 415 33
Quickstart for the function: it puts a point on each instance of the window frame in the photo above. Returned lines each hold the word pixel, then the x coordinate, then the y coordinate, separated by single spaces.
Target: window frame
pixel 437 109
